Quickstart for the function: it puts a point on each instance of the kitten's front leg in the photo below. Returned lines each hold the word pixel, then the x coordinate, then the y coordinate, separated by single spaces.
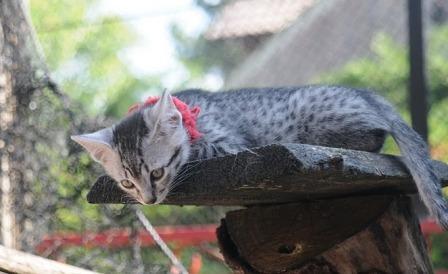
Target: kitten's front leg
pixel 205 150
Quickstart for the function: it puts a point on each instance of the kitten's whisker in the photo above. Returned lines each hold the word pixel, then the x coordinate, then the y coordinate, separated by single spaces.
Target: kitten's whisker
pixel 177 183
pixel 173 186
pixel 184 172
pixel 189 166
pixel 181 178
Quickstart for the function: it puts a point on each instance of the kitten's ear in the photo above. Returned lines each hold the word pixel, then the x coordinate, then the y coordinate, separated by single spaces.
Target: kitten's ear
pixel 98 144
pixel 165 111
pixel 165 103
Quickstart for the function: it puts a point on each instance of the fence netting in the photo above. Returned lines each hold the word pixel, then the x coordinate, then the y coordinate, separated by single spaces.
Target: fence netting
pixel 239 43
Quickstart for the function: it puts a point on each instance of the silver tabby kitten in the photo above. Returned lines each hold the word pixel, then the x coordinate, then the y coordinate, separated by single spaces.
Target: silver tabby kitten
pixel 145 150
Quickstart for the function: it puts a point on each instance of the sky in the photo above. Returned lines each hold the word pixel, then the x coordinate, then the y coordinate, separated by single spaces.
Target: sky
pixel 154 53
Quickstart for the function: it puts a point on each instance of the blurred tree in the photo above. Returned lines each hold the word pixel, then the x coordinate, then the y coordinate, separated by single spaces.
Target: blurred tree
pixel 18 83
pixel 83 52
pixel 201 56
pixel 387 73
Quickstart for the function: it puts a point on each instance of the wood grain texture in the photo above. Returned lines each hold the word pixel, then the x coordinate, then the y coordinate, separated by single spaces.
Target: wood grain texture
pixel 281 174
pixel 14 261
pixel 350 235
pixel 392 244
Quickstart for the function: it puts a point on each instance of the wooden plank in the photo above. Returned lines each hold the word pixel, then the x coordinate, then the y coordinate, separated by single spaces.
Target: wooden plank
pixel 349 235
pixel 14 261
pixel 280 174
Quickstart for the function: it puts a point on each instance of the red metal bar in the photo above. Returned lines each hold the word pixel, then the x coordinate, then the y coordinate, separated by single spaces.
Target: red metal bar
pixel 119 238
pixel 181 236
pixel 430 227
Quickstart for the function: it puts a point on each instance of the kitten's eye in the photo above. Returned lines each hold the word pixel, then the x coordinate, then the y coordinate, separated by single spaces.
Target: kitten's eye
pixel 156 174
pixel 126 184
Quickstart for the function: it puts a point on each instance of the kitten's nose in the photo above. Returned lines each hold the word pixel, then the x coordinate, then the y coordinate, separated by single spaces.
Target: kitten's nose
pixel 149 200
pixel 148 195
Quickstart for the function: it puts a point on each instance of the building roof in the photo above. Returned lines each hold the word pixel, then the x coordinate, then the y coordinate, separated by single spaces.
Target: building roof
pixel 242 18
pixel 325 38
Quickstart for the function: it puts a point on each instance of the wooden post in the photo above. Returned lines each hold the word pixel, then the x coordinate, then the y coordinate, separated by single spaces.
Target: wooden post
pixel 373 234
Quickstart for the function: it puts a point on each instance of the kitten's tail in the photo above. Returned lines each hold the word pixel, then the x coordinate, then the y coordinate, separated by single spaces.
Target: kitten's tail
pixel 418 160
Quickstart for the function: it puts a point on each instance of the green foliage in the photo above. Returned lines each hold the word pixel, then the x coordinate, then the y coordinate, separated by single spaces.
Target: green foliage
pixel 84 50
pixel 439 250
pixel 84 53
pixel 437 58
pixel 201 56
pixel 387 73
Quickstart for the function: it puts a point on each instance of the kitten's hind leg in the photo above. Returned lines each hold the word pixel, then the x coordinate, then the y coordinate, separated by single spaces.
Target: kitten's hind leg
pixel 361 138
pixel 374 140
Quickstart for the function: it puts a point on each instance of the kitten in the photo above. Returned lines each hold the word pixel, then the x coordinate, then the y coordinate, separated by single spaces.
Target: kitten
pixel 146 150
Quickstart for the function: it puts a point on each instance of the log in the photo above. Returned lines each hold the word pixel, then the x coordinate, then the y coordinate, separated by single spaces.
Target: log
pixel 376 234
pixel 281 173
pixel 14 261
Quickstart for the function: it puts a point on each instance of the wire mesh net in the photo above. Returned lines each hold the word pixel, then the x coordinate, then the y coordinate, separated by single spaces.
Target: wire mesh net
pixel 241 43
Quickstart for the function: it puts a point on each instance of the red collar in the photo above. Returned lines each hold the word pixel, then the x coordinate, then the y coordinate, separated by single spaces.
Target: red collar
pixel 189 115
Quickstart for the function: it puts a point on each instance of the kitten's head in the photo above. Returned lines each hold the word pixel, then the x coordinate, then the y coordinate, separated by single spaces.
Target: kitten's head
pixel 144 151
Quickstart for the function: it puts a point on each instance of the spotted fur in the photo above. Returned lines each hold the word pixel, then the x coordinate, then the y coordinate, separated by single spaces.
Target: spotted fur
pixel 236 120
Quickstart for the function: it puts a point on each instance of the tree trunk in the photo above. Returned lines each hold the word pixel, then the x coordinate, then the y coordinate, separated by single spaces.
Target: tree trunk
pixel 376 234
pixel 18 72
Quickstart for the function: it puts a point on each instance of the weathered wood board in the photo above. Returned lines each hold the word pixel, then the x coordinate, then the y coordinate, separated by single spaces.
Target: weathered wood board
pixel 14 261
pixel 282 173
